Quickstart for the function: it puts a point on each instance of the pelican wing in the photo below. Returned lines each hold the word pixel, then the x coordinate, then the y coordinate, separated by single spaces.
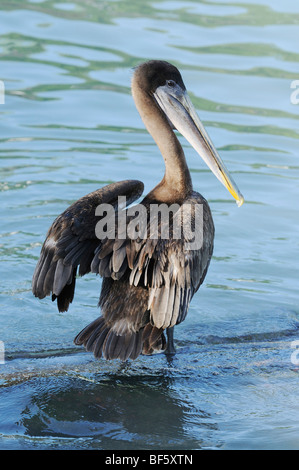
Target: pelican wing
pixel 168 269
pixel 71 242
pixel 180 267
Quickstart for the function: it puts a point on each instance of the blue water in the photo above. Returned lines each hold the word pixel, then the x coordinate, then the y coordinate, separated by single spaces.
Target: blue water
pixel 68 127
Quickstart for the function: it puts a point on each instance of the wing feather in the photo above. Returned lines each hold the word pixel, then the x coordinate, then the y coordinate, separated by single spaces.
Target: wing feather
pixel 170 270
pixel 71 242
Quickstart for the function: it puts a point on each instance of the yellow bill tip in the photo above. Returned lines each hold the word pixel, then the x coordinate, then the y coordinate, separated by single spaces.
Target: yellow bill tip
pixel 240 200
pixel 232 188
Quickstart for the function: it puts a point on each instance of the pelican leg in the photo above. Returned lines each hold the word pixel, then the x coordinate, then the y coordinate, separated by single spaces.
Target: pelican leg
pixel 170 349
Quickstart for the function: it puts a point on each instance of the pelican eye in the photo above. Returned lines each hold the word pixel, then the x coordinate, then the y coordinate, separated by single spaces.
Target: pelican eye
pixel 170 83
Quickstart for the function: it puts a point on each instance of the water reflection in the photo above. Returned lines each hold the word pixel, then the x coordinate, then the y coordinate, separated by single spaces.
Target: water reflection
pixel 137 412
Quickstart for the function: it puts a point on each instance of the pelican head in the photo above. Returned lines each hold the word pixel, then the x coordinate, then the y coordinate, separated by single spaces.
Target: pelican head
pixel 163 82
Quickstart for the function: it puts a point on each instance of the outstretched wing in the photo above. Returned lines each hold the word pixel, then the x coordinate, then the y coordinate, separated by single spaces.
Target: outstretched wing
pixel 71 242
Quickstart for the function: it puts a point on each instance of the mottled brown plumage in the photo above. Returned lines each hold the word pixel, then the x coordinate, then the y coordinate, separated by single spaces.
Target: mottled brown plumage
pixel 147 283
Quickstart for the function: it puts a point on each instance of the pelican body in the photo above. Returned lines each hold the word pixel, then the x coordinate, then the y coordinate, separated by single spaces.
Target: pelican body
pixel 148 282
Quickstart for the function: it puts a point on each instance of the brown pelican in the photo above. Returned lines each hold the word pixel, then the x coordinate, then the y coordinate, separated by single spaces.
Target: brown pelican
pixel 148 282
